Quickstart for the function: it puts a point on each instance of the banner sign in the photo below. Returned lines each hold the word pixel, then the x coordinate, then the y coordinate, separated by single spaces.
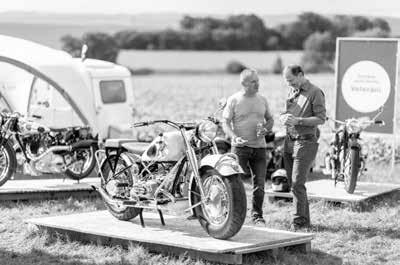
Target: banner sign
pixel 366 79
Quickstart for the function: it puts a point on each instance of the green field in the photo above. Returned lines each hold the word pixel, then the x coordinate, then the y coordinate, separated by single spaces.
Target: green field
pixel 203 61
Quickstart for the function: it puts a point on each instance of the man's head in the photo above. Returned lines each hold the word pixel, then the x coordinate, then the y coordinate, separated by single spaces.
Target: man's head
pixel 249 80
pixel 294 76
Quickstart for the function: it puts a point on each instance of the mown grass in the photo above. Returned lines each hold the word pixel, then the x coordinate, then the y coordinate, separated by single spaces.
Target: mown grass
pixel 344 234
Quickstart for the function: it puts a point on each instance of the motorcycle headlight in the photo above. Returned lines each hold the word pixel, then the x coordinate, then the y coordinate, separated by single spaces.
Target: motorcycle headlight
pixel 353 127
pixel 83 132
pixel 207 131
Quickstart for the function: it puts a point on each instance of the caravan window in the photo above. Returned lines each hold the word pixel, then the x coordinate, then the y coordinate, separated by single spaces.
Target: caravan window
pixel 112 91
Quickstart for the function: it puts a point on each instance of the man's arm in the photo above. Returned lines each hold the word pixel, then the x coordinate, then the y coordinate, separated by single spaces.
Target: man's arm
pixel 226 126
pixel 269 120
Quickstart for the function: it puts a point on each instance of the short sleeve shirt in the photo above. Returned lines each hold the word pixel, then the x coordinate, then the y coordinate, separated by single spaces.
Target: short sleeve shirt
pixel 309 102
pixel 244 113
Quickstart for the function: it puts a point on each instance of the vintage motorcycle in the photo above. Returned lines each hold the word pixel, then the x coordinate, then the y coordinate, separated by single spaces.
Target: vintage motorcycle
pixel 345 161
pixel 43 150
pixel 179 165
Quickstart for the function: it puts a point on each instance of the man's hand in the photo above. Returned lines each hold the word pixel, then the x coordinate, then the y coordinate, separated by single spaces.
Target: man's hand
pixel 289 119
pixel 239 140
pixel 262 130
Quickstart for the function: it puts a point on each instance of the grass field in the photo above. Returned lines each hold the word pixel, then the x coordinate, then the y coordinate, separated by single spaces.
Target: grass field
pixel 343 235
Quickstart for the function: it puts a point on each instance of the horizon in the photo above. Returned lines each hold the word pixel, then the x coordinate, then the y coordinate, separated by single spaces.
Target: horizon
pixel 205 7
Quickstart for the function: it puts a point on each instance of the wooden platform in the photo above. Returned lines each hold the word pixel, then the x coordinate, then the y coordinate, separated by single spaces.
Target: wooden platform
pixel 177 237
pixel 325 190
pixel 39 189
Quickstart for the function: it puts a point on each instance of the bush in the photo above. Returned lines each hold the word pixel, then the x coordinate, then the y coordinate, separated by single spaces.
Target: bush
pixel 141 71
pixel 235 67
pixel 277 66
pixel 319 51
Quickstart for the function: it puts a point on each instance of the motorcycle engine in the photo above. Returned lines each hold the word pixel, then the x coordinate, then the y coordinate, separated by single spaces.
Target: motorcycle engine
pixel 51 163
pixel 145 189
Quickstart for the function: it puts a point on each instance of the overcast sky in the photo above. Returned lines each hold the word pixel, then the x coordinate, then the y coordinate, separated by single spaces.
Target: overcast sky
pixel 371 7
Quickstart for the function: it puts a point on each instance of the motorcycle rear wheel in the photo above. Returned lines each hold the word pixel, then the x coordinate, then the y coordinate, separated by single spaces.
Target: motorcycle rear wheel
pixel 121 213
pixel 87 168
pixel 352 168
pixel 8 162
pixel 224 213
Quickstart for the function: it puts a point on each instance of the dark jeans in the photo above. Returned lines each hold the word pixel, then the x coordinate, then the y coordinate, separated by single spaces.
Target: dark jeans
pixel 298 157
pixel 255 158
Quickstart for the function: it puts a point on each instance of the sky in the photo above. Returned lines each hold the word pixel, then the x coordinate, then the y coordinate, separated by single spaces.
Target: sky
pixel 364 7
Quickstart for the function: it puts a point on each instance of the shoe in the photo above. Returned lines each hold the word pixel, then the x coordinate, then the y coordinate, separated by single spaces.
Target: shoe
pixel 259 221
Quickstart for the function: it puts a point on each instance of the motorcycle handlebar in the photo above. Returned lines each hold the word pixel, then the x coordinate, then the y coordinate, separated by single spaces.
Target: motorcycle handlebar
pixel 380 122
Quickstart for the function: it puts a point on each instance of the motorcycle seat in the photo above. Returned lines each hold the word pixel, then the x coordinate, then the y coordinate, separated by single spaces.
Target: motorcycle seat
pixel 59 129
pixel 137 148
pixel 131 145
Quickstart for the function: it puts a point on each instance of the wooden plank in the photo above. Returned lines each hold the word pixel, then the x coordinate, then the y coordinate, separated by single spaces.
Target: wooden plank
pixel 324 189
pixel 178 236
pixel 40 189
pixel 228 258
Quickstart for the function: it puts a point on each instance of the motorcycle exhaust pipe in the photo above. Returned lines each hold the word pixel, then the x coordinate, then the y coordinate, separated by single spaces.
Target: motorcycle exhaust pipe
pixel 106 197
pixel 50 150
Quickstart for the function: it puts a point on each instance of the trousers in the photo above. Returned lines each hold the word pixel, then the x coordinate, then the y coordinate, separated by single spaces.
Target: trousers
pixel 298 157
pixel 256 160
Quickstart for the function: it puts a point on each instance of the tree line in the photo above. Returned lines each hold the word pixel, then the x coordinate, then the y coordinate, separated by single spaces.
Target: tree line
pixel 312 32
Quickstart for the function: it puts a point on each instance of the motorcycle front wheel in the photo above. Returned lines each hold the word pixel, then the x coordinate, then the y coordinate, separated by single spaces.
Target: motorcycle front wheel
pixel 80 168
pixel 352 168
pixel 121 213
pixel 8 162
pixel 223 210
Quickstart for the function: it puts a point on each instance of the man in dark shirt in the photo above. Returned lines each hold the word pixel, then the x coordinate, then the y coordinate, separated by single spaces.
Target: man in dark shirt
pixel 305 110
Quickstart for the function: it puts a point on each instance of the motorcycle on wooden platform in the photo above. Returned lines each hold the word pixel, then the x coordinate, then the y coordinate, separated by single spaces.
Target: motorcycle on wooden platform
pixel 345 161
pixel 42 150
pixel 183 164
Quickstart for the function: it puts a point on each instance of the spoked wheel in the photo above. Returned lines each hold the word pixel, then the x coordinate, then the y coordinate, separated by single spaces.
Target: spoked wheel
pixel 8 162
pixel 351 170
pixel 112 186
pixel 223 210
pixel 80 163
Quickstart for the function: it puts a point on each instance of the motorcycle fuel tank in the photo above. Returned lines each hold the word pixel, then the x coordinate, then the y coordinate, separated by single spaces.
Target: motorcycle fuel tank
pixel 168 146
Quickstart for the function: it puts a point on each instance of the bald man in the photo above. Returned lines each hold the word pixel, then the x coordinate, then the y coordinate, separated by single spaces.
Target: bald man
pixel 242 116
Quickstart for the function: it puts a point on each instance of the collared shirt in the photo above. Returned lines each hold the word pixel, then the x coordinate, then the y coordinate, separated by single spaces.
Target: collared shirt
pixel 309 101
pixel 244 113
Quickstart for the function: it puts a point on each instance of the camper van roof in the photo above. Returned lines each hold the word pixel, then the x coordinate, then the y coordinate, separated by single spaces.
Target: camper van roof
pixel 22 62
pixel 99 68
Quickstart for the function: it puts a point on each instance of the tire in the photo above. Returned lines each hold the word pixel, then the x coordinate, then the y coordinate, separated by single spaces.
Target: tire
pixel 236 210
pixel 122 213
pixel 87 171
pixel 350 177
pixel 7 156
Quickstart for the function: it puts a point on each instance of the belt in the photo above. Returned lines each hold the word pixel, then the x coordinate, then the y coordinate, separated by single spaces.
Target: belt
pixel 302 137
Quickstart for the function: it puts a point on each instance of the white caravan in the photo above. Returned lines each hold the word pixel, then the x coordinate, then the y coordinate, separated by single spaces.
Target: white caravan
pixel 62 91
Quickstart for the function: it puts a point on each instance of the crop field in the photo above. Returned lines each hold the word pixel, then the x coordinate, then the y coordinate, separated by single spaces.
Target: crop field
pixel 203 61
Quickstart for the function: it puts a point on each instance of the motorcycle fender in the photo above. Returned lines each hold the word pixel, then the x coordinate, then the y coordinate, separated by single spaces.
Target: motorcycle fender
pixel 226 164
pixel 124 156
pixel 353 144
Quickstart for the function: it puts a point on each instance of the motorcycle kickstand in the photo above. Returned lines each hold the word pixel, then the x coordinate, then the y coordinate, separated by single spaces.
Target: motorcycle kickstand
pixel 141 218
pixel 161 217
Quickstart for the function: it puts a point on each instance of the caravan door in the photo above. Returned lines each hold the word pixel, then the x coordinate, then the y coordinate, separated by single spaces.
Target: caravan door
pixel 114 106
